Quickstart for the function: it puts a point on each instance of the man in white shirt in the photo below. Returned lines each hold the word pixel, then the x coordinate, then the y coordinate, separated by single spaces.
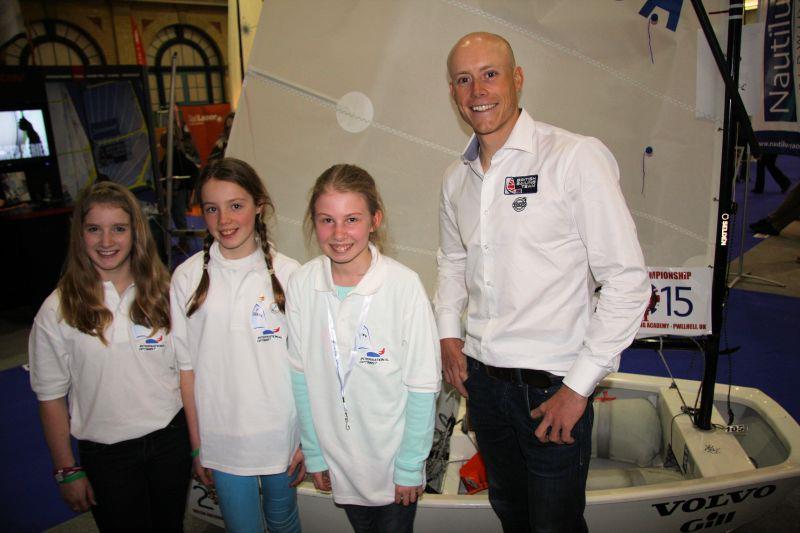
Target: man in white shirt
pixel 532 221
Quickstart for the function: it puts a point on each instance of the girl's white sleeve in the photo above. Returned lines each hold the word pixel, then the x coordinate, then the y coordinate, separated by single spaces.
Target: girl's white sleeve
pixel 48 356
pixel 180 322
pixel 422 367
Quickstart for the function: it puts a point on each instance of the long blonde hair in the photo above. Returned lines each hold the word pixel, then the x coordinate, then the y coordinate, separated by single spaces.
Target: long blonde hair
pixel 81 297
pixel 240 173
pixel 348 178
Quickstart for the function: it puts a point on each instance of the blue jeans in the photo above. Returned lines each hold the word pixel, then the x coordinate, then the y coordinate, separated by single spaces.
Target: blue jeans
pixel 140 484
pixel 392 518
pixel 532 486
pixel 248 503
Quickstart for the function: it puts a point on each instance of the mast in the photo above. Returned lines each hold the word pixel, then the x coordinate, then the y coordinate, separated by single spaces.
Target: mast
pixel 735 115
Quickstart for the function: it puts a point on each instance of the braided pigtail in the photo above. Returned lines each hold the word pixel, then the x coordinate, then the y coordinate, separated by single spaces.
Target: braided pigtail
pixel 277 289
pixel 201 292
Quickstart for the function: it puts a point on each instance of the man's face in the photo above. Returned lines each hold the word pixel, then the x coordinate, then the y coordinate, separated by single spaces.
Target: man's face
pixel 485 86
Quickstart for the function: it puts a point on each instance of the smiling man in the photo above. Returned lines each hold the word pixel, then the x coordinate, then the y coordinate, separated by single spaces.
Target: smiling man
pixel 532 221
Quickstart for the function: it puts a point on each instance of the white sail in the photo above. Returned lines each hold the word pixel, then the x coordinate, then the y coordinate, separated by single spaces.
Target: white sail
pixel 365 82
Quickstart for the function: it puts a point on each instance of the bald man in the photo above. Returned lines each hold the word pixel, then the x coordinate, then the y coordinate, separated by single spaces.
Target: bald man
pixel 532 221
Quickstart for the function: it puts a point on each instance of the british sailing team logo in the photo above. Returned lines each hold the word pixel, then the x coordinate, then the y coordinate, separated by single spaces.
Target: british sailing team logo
pixel 370 356
pixel 259 322
pixel 145 340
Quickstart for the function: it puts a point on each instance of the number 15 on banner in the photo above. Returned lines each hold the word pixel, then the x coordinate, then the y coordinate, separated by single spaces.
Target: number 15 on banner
pixel 679 304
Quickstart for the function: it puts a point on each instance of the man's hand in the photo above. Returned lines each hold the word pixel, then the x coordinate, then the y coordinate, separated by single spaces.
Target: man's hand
pixel 559 415
pixel 454 364
pixel 322 480
pixel 78 494
pixel 297 468
pixel 406 495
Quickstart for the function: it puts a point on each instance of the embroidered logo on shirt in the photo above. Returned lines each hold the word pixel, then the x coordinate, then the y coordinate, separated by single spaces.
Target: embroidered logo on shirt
pixel 371 355
pixel 520 204
pixel 258 321
pixel 521 184
pixel 146 342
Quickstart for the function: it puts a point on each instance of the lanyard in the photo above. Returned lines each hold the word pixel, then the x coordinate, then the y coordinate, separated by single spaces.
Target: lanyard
pixel 341 374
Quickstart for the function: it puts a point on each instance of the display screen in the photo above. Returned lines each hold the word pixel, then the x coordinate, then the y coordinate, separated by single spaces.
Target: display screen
pixel 23 135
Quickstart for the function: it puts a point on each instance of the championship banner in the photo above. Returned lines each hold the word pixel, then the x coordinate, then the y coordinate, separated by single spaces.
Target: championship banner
pixel 680 302
pixel 205 123
pixel 141 58
pixel 775 122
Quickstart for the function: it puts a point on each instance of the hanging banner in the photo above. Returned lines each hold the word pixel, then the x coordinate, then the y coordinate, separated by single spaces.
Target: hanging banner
pixel 680 302
pixel 141 59
pixel 775 122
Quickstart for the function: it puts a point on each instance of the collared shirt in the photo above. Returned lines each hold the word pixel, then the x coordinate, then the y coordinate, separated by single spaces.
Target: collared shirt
pixel 236 344
pixel 398 353
pixel 523 248
pixel 117 391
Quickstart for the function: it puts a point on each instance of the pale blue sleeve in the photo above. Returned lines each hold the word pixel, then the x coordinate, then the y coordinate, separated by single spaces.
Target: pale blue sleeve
pixel 308 436
pixel 417 439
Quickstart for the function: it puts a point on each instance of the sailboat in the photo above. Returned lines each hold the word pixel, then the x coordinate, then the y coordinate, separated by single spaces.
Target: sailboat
pixel 365 82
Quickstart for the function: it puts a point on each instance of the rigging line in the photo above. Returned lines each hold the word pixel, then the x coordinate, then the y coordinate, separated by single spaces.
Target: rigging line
pixel 580 56
pixel 670 225
pixel 669 371
pixel 328 102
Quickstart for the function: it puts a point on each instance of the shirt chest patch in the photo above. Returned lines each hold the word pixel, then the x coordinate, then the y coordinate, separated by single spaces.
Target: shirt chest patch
pixel 145 341
pixel 369 355
pixel 521 184
pixel 265 323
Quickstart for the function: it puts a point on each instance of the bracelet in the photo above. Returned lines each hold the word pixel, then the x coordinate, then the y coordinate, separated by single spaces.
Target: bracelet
pixel 195 452
pixel 62 473
pixel 72 477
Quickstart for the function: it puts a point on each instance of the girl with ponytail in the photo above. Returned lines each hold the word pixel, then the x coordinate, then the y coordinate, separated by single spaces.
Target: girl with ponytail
pixel 230 338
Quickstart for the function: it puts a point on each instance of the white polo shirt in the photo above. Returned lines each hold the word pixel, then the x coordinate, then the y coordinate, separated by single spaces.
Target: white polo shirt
pixel 398 352
pixel 236 345
pixel 522 248
pixel 116 392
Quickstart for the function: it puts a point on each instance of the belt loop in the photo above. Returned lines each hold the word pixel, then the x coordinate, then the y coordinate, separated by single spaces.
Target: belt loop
pixel 517 372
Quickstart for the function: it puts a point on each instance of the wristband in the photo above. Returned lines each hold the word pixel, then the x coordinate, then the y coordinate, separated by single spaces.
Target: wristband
pixel 195 452
pixel 69 478
pixel 60 474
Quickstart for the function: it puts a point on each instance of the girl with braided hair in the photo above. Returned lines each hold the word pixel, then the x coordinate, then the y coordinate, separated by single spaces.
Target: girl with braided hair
pixel 230 340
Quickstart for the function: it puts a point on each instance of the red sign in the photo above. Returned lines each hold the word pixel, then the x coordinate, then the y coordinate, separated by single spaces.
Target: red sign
pixel 205 123
pixel 141 59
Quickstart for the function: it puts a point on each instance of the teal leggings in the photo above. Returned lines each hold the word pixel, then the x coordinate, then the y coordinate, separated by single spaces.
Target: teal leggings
pixel 248 503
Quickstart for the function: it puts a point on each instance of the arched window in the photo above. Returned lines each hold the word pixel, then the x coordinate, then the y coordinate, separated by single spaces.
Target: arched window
pixel 200 71
pixel 55 43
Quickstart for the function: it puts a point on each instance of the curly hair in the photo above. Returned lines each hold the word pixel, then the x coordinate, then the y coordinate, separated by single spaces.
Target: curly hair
pixel 81 299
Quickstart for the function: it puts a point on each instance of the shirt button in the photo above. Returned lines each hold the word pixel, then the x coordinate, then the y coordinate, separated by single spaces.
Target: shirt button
pixel 488 283
pixel 486 247
pixel 486 212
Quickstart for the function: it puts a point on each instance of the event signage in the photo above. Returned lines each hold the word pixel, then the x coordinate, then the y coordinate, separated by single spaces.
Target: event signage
pixel 775 121
pixel 679 302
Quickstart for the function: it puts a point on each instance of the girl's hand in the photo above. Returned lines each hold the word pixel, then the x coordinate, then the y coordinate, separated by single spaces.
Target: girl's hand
pixel 202 474
pixel 297 468
pixel 78 494
pixel 322 480
pixel 407 495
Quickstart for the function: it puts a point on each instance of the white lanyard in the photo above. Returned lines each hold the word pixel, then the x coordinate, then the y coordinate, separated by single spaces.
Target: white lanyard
pixel 340 374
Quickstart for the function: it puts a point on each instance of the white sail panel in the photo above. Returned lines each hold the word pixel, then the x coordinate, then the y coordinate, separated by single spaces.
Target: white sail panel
pixel 587 66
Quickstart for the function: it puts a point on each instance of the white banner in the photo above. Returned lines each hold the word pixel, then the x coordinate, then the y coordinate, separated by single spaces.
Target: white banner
pixel 680 302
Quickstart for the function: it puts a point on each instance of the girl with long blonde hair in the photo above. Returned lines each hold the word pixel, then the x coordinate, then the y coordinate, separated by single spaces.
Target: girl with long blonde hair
pixel 103 368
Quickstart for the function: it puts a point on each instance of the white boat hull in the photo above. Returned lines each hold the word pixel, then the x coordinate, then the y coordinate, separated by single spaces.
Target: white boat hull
pixel 725 481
